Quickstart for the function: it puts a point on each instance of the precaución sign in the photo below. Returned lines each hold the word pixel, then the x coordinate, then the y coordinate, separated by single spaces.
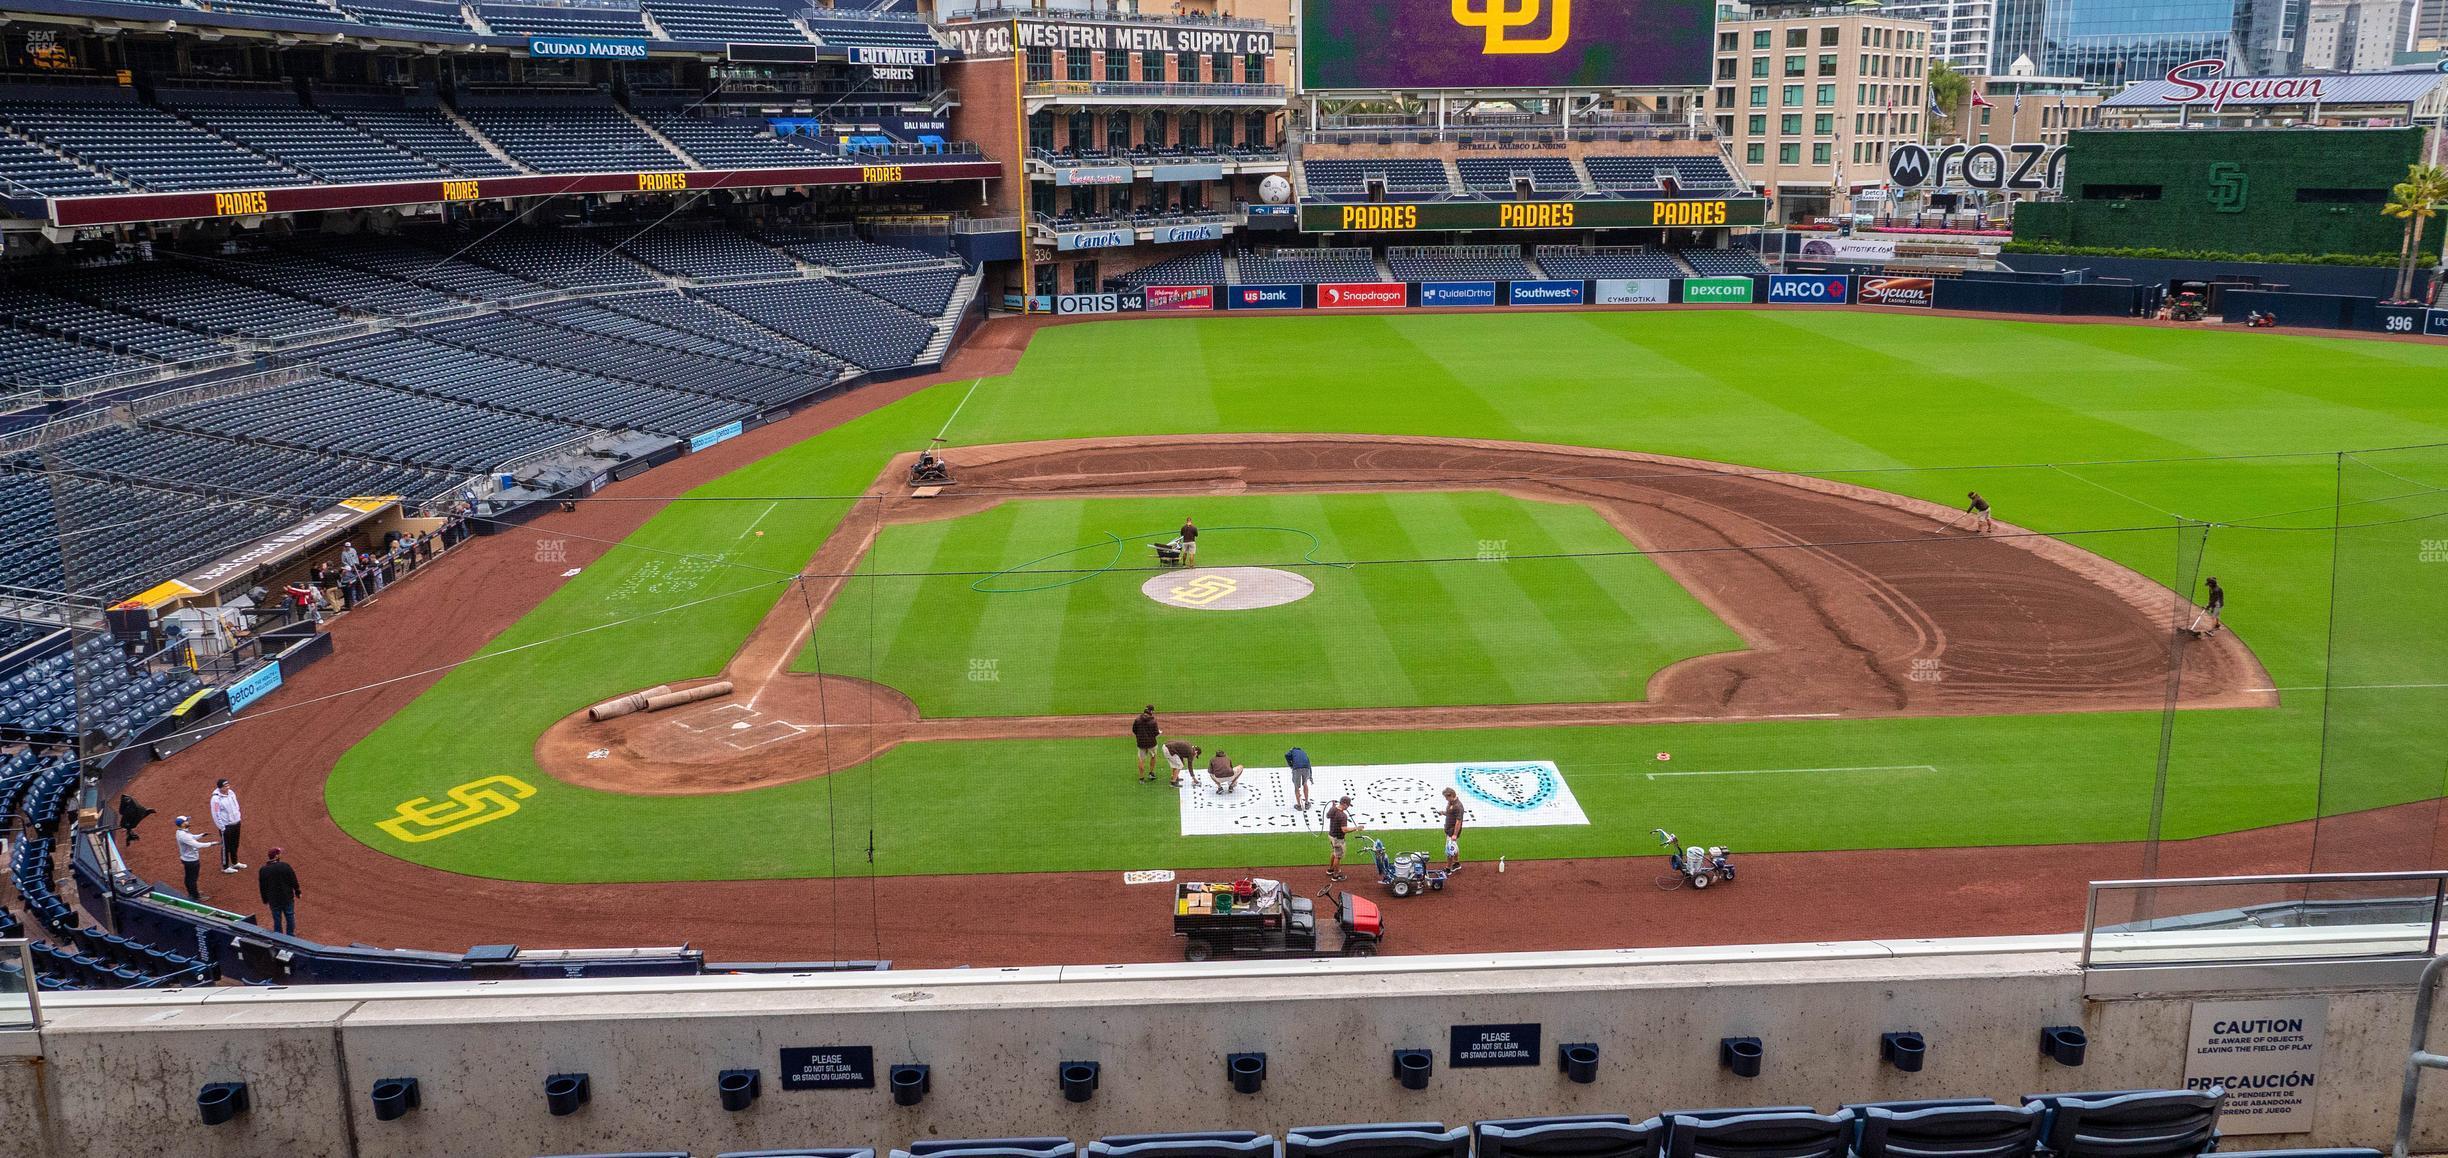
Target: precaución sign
pixel 2268 1056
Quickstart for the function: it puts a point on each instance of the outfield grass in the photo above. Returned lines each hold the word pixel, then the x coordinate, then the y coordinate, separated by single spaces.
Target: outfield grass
pixel 1920 405
pixel 1014 616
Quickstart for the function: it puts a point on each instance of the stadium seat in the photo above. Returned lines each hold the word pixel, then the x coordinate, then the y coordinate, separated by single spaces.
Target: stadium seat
pixel 1978 1130
pixel 990 1148
pixel 1772 1133
pixel 1575 1136
pixel 1190 1144
pixel 1382 1140
pixel 802 1152
pixel 2132 1124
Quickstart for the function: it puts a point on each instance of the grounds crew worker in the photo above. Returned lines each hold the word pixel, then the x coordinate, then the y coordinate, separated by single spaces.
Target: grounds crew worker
pixel 1189 543
pixel 1338 825
pixel 1144 732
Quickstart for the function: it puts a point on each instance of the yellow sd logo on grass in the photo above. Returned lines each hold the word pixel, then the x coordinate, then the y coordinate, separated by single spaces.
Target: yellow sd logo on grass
pixel 1204 590
pixel 1497 17
pixel 473 803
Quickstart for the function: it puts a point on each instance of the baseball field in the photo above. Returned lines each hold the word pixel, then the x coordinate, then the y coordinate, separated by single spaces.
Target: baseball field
pixel 1700 571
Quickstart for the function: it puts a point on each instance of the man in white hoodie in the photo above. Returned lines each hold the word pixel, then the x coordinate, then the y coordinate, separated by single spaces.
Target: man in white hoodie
pixel 225 817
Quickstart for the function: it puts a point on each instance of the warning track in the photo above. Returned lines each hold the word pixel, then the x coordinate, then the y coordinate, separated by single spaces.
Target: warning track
pixel 1848 598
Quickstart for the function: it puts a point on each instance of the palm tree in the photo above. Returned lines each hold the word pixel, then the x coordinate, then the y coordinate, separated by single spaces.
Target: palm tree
pixel 2416 199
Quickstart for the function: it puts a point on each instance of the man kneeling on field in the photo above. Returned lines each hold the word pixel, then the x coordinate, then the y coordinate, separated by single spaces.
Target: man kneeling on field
pixel 1224 772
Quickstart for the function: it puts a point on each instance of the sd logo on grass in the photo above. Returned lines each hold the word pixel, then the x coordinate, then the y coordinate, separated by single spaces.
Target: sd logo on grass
pixel 1205 589
pixel 473 803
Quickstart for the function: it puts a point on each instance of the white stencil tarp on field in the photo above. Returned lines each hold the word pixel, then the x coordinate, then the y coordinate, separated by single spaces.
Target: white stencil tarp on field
pixel 1495 794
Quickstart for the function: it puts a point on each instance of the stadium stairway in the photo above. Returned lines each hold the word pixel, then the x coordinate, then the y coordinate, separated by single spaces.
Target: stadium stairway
pixel 947 326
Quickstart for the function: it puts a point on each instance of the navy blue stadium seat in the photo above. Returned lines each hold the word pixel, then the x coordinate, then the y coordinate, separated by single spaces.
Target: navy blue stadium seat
pixel 1775 1133
pixel 803 1152
pixel 1186 1144
pixel 1571 1136
pixel 1378 1140
pixel 1948 1131
pixel 991 1148
pixel 2132 1124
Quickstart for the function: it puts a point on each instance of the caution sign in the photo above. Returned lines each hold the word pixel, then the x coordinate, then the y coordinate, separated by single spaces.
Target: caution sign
pixel 2268 1056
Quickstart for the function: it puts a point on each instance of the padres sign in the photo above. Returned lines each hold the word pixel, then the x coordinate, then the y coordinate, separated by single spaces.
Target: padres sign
pixel 1375 45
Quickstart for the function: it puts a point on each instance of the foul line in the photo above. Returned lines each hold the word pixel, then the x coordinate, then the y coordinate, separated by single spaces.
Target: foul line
pixel 1775 771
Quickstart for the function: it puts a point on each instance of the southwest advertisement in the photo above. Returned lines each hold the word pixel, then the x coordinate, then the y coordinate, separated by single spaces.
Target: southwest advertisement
pixel 1484 44
pixel 1543 293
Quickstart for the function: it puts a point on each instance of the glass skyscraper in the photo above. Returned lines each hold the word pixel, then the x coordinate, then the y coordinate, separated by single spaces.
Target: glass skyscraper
pixel 2116 41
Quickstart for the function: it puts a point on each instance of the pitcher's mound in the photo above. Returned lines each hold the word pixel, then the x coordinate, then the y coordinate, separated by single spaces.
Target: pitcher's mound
pixel 1226 588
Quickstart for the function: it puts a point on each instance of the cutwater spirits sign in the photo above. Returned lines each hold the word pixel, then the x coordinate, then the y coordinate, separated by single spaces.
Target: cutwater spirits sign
pixel 2268 1056
pixel 1514 1044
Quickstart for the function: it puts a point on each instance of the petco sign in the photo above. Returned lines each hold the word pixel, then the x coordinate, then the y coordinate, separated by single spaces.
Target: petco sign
pixel 1806 290
pixel 2209 89
pixel 1364 295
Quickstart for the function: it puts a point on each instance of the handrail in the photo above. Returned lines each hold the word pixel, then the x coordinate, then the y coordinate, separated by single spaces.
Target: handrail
pixel 2437 880
pixel 2419 1057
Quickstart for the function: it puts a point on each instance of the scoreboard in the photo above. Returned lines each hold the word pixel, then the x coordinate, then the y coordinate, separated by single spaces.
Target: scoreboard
pixel 1399 217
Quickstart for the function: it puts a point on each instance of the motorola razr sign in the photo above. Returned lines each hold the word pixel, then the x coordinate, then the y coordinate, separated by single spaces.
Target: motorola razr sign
pixel 2018 166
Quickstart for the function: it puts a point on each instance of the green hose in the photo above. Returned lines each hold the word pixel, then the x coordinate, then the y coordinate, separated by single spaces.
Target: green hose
pixel 987 583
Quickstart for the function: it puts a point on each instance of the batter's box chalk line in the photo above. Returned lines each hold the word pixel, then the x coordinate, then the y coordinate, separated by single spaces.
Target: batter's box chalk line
pixel 1794 771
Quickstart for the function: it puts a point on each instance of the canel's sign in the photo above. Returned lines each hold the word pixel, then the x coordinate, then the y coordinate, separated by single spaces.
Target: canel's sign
pixel 2211 90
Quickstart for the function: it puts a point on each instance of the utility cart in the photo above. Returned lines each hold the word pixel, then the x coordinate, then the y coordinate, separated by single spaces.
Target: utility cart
pixel 1262 918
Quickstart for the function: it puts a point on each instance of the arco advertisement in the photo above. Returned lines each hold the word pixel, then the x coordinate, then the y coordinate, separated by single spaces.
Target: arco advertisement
pixel 1806 289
